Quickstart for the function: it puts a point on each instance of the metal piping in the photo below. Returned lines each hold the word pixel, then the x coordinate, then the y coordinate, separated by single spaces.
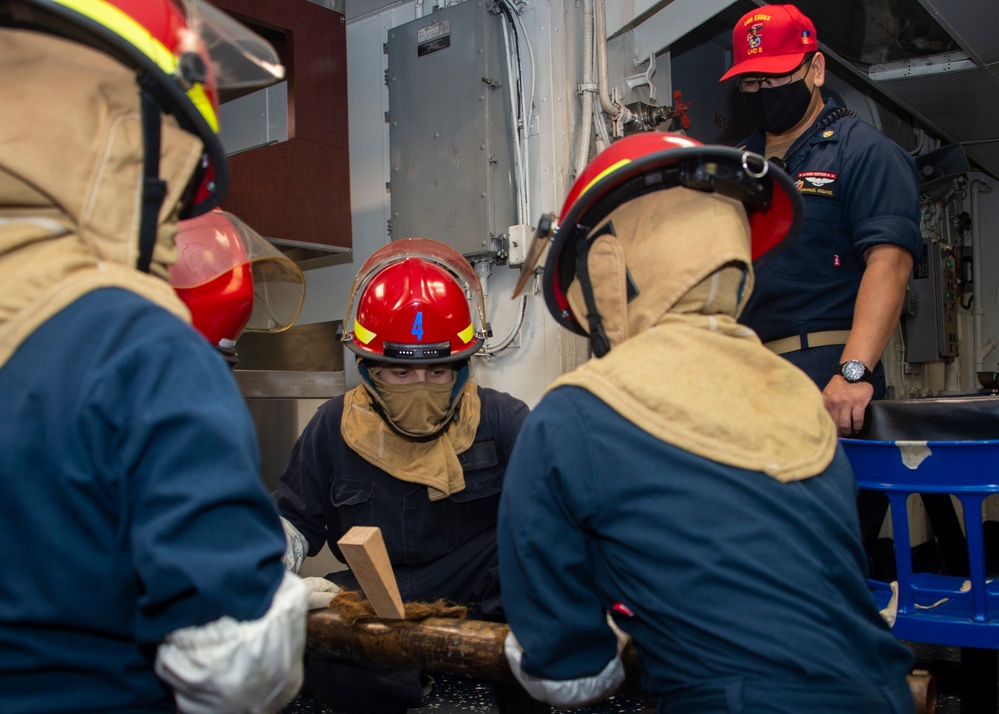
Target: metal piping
pixel 586 92
pixel 612 109
pixel 490 351
pixel 516 100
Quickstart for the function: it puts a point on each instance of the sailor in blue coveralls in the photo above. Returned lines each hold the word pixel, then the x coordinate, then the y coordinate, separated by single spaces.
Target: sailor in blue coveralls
pixel 142 557
pixel 686 489
pixel 418 450
pixel 830 303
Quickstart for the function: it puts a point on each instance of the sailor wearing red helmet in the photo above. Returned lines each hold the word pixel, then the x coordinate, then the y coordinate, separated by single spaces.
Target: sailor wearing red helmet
pixel 142 556
pixel 417 449
pixel 686 483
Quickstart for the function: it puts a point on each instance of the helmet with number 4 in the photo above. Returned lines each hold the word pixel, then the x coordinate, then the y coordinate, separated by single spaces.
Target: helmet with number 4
pixel 416 300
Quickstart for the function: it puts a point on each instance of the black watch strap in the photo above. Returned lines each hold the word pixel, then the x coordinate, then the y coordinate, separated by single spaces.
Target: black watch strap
pixel 854 371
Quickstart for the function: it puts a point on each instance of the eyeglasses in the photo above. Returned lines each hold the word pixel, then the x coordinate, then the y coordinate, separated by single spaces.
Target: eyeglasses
pixel 753 85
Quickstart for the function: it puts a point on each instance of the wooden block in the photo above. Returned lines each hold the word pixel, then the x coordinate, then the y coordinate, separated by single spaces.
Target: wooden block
pixel 364 550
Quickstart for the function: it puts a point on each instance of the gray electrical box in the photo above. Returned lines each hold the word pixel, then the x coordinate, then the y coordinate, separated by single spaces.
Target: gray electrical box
pixel 451 128
pixel 931 325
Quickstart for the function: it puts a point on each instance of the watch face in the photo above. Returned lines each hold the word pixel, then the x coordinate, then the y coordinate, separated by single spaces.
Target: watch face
pixel 853 371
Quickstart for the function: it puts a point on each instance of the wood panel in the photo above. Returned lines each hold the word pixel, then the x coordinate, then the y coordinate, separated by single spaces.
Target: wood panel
pixel 299 190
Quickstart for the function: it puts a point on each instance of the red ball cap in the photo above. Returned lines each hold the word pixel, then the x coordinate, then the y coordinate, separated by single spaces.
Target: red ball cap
pixel 772 39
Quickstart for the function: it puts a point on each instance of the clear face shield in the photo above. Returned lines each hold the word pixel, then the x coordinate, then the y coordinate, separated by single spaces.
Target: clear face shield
pixel 240 58
pixel 219 243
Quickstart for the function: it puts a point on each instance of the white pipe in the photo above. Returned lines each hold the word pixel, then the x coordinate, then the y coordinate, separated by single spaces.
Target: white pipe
pixel 483 269
pixel 952 377
pixel 528 100
pixel 515 100
pixel 527 108
pixel 603 136
pixel 488 351
pixel 419 9
pixel 586 93
pixel 610 108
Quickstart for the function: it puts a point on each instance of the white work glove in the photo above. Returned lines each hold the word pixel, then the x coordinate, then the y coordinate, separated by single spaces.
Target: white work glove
pixel 321 591
pixel 252 667
pixel 296 547
pixel 568 692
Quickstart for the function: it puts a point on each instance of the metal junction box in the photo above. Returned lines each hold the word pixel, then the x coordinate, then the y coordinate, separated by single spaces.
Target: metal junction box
pixel 931 328
pixel 451 129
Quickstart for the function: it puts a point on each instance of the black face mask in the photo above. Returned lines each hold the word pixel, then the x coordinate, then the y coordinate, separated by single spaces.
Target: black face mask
pixel 778 109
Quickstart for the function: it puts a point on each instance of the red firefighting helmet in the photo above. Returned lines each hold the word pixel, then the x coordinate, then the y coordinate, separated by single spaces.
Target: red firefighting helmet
pixel 185 51
pixel 414 301
pixel 232 279
pixel 654 161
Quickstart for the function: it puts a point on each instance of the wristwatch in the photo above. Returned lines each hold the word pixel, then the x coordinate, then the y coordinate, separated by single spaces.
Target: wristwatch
pixel 856 371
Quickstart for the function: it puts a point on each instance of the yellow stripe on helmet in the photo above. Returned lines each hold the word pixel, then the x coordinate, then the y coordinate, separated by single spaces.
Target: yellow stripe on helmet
pixel 126 27
pixel 139 37
pixel 467 334
pixel 610 169
pixel 204 105
pixel 363 335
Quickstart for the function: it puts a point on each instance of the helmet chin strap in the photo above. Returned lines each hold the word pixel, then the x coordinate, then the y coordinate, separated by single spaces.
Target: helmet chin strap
pixel 599 342
pixel 154 188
